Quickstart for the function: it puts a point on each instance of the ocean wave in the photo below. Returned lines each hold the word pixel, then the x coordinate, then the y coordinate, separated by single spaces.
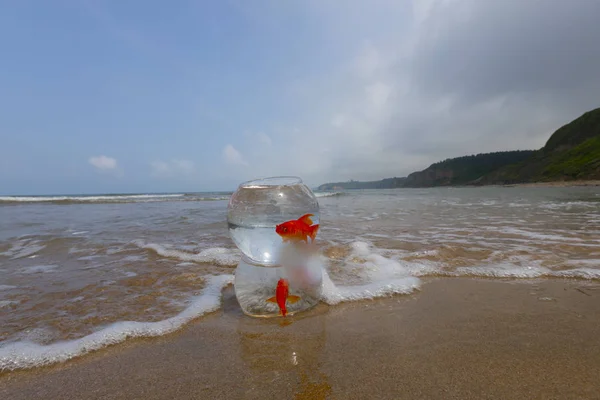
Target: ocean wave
pixel 138 198
pixel 216 255
pixel 27 354
pixel 513 271
pixel 23 248
pixel 332 294
pixel 366 272
pixel 329 194
pixel 369 262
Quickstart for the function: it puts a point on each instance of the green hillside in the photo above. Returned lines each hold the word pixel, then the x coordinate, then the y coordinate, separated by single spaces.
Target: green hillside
pixel 578 131
pixel 464 170
pixel 571 153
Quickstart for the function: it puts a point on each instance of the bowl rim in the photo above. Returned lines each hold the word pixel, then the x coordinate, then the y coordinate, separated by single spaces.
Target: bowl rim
pixel 272 181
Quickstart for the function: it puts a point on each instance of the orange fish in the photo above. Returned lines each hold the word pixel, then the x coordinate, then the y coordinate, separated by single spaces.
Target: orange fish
pixel 282 296
pixel 298 229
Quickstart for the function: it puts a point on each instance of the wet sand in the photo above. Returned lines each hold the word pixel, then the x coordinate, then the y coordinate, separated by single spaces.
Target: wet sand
pixel 458 338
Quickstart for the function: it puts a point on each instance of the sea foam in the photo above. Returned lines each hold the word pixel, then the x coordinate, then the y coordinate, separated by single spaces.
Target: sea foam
pixel 27 354
pixel 217 255
pixel 91 199
pixel 381 276
pixel 332 294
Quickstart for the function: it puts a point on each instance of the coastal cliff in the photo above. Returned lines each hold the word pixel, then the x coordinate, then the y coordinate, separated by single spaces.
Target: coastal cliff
pixel 571 153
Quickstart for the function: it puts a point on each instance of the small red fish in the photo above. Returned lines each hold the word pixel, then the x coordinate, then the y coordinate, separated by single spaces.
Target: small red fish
pixel 282 296
pixel 298 229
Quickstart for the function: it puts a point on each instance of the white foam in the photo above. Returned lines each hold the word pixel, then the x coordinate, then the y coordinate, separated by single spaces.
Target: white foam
pixel 534 235
pixel 381 265
pixel 569 204
pixel 583 273
pixel 513 271
pixel 184 264
pixel 30 199
pixel 6 303
pixel 332 294
pixel 89 258
pixel 7 287
pixel 22 249
pixel 133 258
pixel 35 269
pixel 360 248
pixel 502 271
pixel 331 194
pixel 27 354
pixel 594 263
pixel 216 255
pixel 382 276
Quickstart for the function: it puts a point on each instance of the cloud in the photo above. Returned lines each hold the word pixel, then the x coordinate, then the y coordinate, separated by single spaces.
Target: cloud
pixel 176 168
pixel 449 78
pixel 374 92
pixel 232 156
pixel 105 164
pixel 264 139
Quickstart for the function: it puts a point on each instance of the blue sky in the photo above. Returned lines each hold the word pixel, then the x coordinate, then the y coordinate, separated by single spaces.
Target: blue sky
pixel 152 96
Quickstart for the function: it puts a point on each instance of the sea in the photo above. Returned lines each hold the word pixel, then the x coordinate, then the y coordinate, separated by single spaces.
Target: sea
pixel 79 273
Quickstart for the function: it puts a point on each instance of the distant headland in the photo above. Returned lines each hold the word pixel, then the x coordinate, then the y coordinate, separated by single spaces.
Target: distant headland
pixel 571 155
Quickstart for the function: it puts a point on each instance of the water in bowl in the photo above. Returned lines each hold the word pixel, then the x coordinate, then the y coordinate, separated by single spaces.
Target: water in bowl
pixel 255 283
pixel 257 207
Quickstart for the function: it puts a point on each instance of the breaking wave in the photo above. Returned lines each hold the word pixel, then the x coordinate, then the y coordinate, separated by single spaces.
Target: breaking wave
pixel 134 198
pixel 27 354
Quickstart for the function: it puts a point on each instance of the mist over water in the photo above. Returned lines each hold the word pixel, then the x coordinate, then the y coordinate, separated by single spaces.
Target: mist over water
pixel 79 273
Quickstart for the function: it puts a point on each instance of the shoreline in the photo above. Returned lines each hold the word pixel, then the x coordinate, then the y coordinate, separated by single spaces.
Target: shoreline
pixel 455 338
pixel 575 183
pixel 555 184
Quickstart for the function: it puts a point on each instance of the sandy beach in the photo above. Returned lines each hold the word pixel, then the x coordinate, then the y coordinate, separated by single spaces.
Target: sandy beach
pixel 458 338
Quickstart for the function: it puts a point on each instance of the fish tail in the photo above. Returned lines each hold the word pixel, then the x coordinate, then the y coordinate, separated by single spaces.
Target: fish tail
pixel 306 219
pixel 313 232
pixel 293 299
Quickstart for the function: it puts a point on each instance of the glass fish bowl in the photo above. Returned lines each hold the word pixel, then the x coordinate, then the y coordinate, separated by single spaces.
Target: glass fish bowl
pixel 275 222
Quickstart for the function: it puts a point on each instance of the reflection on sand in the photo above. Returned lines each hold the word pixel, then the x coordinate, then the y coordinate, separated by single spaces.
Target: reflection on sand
pixel 272 348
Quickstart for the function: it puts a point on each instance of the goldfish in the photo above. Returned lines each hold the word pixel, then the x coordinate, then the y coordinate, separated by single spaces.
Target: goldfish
pixel 298 229
pixel 282 296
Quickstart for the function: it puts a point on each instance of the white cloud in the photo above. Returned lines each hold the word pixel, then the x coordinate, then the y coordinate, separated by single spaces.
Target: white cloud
pixel 388 90
pixel 430 86
pixel 176 168
pixel 264 139
pixel 103 162
pixel 106 164
pixel 369 61
pixel 233 156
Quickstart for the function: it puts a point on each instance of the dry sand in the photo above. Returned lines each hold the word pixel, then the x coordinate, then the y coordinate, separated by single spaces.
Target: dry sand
pixel 456 339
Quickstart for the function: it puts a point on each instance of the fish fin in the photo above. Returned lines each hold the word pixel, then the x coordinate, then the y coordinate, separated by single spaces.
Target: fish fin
pixel 306 219
pixel 292 299
pixel 313 232
pixel 272 299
